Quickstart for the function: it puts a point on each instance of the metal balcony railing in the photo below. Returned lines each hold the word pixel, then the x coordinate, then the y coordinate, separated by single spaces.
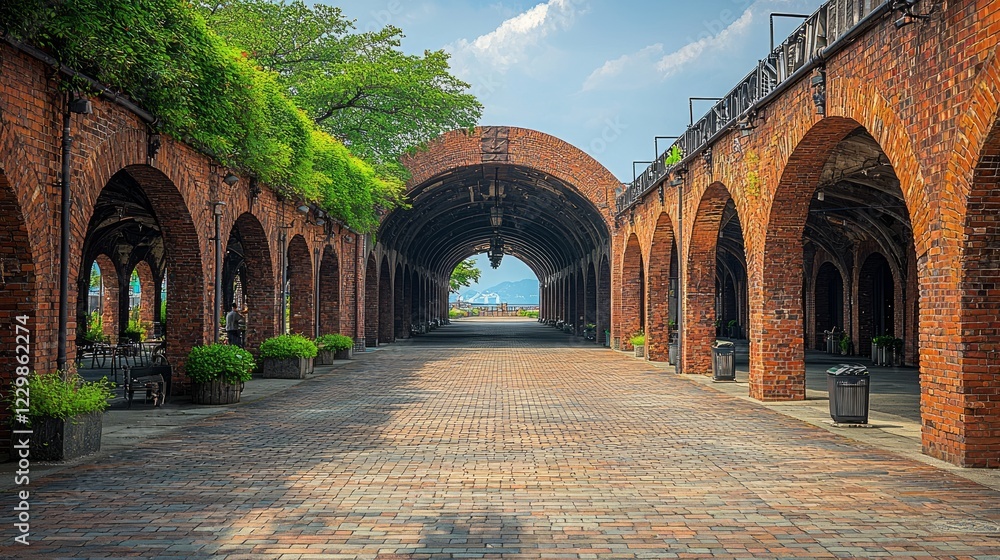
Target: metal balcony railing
pixel 828 29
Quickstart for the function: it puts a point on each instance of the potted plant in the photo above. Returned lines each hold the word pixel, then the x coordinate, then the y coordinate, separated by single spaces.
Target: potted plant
pixel 65 414
pixel 218 372
pixel 638 341
pixel 845 345
pixel 333 347
pixel 590 331
pixel 287 356
pixel 897 351
pixel 734 328
pixel 718 327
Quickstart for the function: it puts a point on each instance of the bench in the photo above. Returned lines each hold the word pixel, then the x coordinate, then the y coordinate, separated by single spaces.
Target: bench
pixel 152 379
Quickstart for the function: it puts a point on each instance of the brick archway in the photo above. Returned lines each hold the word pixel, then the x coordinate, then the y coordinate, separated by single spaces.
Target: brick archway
pixel 517 146
pixel 632 292
pixel 699 294
pixel 386 326
pixel 300 287
pixel 259 290
pixel 661 255
pixel 777 361
pixel 977 382
pixel 18 306
pixel 329 292
pixel 371 302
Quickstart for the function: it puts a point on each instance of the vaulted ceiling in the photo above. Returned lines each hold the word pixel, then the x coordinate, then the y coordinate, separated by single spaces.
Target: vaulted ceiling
pixel 546 223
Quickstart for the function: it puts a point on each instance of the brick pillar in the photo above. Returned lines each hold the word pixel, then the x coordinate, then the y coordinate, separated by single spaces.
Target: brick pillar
pixel 329 294
pixel 300 285
pixel 632 293
pixel 660 257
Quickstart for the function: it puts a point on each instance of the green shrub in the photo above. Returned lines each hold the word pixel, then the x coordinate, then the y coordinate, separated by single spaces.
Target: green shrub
pixel 288 346
pixel 334 342
pixel 533 313
pixel 457 313
pixel 638 339
pixel 58 396
pixel 227 362
pixel 95 329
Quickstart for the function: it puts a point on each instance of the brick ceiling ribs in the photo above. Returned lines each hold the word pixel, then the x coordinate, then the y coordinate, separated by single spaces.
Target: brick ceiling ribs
pixel 547 223
pixel 124 227
pixel 861 200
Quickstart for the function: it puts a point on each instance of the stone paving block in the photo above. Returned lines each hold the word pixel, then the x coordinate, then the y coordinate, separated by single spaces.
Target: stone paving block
pixel 508 447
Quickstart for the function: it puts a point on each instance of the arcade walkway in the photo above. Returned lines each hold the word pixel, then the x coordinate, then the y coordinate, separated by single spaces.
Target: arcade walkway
pixel 490 439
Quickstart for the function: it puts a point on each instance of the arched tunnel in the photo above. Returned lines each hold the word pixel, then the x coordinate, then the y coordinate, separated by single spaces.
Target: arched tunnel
pixel 526 205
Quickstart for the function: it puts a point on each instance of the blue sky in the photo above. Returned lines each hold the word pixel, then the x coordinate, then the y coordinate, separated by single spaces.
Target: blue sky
pixel 606 76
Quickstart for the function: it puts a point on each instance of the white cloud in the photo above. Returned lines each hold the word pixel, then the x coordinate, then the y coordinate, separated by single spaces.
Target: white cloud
pixel 628 64
pixel 513 39
pixel 644 63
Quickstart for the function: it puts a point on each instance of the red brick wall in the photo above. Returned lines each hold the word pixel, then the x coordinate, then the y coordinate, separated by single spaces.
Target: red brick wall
pixel 329 294
pixel 371 302
pixel 658 301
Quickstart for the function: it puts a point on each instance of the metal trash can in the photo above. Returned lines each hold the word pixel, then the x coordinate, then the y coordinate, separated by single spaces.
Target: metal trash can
pixel 723 361
pixel 849 387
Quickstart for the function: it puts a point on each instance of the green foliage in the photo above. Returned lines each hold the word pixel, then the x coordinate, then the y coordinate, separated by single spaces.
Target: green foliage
pixel 638 339
pixel 95 329
pixel 464 274
pixel 533 313
pixel 334 342
pixel 226 362
pixel 845 344
pixel 674 157
pixel 888 341
pixel 288 346
pixel 457 313
pixel 210 95
pixel 136 330
pixel 357 86
pixel 62 396
pixel 733 323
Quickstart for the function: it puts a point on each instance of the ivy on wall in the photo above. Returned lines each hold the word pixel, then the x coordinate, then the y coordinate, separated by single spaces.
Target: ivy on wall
pixel 210 95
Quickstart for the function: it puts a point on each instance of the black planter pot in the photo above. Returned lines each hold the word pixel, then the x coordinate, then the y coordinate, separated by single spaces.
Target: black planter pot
pixel 56 439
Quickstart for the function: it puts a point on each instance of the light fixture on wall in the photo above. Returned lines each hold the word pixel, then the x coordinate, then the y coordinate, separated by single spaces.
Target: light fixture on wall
pixel 905 7
pixel 303 208
pixel 819 90
pixel 230 179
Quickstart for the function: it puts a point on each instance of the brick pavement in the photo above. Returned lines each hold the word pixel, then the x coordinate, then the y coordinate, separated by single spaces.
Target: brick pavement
pixel 486 440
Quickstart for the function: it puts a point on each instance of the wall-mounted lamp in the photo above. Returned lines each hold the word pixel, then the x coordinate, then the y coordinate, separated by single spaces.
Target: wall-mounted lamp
pixel 80 106
pixel 819 90
pixel 706 156
pixel 747 122
pixel 820 196
pixel 304 209
pixel 908 17
pixel 230 179
pixel 254 190
pixel 678 179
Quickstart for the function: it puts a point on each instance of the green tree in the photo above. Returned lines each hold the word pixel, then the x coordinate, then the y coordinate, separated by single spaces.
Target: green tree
pixel 359 87
pixel 464 275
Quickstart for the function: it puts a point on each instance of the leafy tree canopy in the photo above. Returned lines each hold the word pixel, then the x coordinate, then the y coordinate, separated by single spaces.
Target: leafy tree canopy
pixel 464 275
pixel 258 113
pixel 359 87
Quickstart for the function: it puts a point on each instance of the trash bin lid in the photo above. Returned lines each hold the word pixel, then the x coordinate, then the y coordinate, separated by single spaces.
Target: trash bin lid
pixel 848 369
pixel 722 344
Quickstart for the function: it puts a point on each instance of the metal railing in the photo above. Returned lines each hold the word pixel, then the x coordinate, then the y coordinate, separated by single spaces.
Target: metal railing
pixel 828 29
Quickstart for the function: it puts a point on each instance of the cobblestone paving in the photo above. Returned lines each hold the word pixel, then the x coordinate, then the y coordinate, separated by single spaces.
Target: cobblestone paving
pixel 488 440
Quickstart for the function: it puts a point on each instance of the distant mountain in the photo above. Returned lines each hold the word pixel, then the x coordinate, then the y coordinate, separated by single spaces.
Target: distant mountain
pixel 522 292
